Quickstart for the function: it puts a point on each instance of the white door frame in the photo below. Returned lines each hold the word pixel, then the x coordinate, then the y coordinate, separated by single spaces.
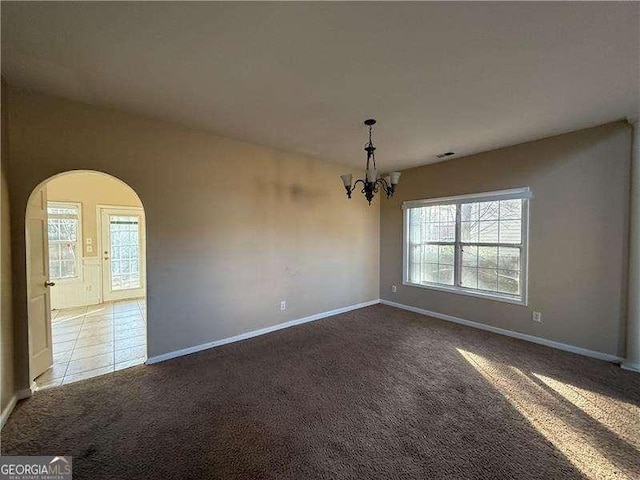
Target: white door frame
pixel 143 251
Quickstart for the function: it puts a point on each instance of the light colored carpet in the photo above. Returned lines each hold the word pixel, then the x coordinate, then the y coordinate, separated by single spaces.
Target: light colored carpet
pixel 377 393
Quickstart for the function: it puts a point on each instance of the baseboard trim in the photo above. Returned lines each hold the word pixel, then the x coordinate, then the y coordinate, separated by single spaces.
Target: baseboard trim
pixel 7 410
pixel 256 333
pixel 19 395
pixel 26 393
pixel 509 333
pixel 633 367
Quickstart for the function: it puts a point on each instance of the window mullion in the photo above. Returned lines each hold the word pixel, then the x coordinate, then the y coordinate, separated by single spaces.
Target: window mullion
pixel 457 259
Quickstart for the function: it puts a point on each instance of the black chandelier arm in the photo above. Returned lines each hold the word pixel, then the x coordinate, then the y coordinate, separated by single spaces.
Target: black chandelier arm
pixel 351 188
pixel 382 182
pixel 369 189
pixel 388 188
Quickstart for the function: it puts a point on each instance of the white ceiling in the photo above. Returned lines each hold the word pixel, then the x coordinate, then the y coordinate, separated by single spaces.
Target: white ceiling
pixel 302 77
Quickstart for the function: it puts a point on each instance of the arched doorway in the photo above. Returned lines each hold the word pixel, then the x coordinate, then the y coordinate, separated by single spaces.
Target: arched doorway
pixel 86 281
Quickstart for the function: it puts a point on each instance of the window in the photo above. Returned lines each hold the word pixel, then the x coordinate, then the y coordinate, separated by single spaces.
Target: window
pixel 471 244
pixel 124 234
pixel 64 240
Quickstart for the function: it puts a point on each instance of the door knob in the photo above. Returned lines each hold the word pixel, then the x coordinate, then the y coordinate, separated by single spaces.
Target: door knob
pixel 49 284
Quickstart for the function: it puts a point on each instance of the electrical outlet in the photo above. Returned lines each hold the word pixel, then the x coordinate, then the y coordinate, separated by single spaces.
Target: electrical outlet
pixel 283 305
pixel 536 317
pixel 394 289
pixel 89 240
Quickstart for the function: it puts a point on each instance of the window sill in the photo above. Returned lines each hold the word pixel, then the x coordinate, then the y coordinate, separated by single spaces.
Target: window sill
pixel 471 293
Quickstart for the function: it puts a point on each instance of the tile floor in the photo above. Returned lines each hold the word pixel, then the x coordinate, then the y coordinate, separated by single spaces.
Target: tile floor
pixel 92 341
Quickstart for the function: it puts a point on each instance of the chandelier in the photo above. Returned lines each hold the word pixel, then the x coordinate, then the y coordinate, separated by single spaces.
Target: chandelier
pixel 371 184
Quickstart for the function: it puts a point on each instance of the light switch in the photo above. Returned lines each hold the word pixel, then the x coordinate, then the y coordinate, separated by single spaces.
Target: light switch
pixel 88 240
pixel 89 249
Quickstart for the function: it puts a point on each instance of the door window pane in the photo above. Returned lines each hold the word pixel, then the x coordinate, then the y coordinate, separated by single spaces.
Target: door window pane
pixel 125 252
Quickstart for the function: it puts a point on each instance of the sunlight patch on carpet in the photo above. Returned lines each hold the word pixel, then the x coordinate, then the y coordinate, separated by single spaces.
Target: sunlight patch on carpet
pixel 569 429
pixel 621 417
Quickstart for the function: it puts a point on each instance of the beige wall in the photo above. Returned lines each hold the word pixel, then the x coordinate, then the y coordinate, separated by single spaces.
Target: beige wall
pixel 578 235
pixel 91 189
pixel 232 228
pixel 6 317
pixel 5 305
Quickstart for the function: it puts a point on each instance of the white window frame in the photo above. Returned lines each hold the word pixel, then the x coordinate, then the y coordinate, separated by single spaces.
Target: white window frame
pixel 515 193
pixel 79 245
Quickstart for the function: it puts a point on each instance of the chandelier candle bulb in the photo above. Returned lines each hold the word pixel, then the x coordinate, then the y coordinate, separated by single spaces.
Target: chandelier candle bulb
pixel 371 184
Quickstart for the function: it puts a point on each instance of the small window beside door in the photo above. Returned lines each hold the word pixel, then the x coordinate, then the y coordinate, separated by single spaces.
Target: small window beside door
pixel 65 240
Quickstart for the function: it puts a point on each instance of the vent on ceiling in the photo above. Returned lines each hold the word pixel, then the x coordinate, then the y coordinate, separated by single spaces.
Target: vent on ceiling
pixel 447 154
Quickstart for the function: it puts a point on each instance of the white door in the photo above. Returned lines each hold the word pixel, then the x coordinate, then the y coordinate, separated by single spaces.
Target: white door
pixel 38 284
pixel 123 256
